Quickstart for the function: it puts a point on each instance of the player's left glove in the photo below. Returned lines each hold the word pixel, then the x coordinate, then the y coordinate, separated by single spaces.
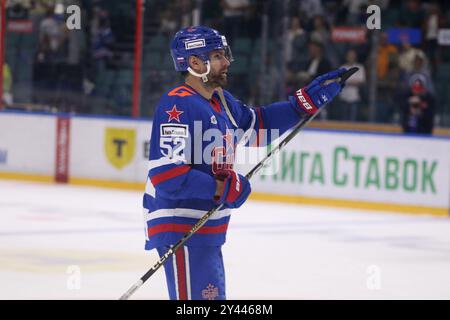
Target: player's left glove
pixel 319 92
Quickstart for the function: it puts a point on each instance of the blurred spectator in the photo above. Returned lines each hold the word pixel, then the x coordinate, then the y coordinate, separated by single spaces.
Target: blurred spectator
pixel 7 85
pixel 51 57
pixel 350 95
pixel 320 31
pixel 310 8
pixel 387 56
pixel 418 116
pixel 418 108
pixel 40 7
pixel 212 14
pixel 183 9
pixel 316 65
pixel 408 54
pixel 336 13
pixel 58 72
pixel 253 18
pixel 234 12
pixel 354 10
pixel 434 21
pixel 52 47
pixel 411 15
pixel 270 80
pixel 102 41
pixel 388 73
pixel 168 24
pixel 420 72
pixel 17 9
pixel 296 45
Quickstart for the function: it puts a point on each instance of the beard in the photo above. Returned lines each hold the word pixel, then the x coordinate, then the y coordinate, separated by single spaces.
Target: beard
pixel 217 79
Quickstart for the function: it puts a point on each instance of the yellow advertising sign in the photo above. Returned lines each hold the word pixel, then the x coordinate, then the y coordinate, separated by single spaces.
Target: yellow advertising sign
pixel 120 146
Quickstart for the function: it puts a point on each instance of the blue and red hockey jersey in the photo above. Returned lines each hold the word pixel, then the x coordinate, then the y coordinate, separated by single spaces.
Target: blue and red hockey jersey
pixel 191 138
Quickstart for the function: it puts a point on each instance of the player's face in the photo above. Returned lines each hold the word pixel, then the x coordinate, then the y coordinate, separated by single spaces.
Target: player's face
pixel 219 68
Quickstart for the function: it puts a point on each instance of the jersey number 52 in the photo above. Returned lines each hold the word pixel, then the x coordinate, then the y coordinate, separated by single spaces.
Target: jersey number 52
pixel 172 147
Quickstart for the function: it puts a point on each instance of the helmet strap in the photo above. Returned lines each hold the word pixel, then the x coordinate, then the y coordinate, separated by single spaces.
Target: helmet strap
pixel 201 75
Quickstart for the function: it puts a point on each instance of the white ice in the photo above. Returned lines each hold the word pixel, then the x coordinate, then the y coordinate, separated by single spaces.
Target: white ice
pixel 68 242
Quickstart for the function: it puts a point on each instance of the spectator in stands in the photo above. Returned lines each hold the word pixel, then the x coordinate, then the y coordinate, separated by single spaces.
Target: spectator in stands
pixel 418 110
pixel 234 12
pixel 420 71
pixel 412 15
pixel 388 73
pixel 434 21
pixel 51 57
pixel 310 8
pixel 316 65
pixel 320 31
pixel 408 54
pixel 7 86
pixel 102 41
pixel 17 9
pixel 168 24
pixel 58 71
pixel 354 10
pixel 212 14
pixel 253 19
pixel 52 45
pixel 350 95
pixel 297 42
pixel 184 10
pixel 387 56
pixel 40 7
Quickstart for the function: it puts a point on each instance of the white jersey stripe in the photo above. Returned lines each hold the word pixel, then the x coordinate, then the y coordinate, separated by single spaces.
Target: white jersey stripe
pixel 152 164
pixel 150 188
pixel 175 274
pixel 188 273
pixel 186 213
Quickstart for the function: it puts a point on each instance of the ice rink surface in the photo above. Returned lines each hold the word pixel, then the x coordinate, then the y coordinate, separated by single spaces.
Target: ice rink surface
pixel 68 242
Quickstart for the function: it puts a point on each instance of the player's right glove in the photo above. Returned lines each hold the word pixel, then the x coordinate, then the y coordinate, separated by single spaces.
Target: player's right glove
pixel 319 92
pixel 236 188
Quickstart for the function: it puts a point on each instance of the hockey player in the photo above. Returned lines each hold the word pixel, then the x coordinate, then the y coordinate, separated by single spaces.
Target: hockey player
pixel 190 173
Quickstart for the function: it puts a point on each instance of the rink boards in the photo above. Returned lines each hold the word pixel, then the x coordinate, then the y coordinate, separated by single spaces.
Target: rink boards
pixel 391 172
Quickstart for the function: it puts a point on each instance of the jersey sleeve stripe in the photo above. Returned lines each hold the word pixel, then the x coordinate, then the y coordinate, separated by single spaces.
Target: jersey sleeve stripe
pixel 169 174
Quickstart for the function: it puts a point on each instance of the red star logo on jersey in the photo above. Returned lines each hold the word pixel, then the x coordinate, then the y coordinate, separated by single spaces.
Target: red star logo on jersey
pixel 174 114
pixel 228 137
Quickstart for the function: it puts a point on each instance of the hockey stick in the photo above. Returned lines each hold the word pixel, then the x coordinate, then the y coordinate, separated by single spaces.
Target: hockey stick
pixel 249 175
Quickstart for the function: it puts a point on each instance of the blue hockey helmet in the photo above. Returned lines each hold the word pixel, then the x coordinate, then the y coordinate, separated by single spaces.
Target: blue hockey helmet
pixel 196 41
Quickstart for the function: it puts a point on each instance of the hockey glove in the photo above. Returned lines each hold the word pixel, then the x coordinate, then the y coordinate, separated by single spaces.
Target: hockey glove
pixel 319 92
pixel 235 191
